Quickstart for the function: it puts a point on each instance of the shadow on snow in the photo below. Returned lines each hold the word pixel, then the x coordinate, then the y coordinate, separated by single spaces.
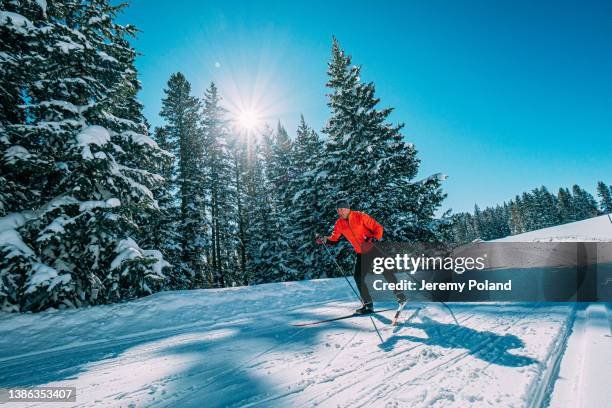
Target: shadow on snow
pixel 234 369
pixel 484 345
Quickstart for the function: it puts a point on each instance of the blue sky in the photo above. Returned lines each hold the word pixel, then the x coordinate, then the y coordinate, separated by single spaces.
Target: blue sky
pixel 500 96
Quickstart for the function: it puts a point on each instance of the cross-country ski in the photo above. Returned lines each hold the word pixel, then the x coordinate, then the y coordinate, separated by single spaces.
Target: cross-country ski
pixel 334 319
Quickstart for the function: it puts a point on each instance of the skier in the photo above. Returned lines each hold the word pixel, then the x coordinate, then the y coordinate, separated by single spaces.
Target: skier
pixel 357 228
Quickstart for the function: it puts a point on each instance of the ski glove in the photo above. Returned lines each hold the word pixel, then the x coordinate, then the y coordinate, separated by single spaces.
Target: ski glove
pixel 370 239
pixel 321 240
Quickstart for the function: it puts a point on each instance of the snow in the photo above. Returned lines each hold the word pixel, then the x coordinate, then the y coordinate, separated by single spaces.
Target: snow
pixel 44 275
pixel 13 220
pixel 128 249
pixel 236 347
pixel 96 135
pixel 139 139
pixel 61 104
pixel 592 229
pixel 10 239
pixel 66 47
pixel 118 170
pixel 585 372
pixel 90 205
pixel 15 153
pixel 43 6
pixel 107 57
pixel 20 23
pixel 93 135
pixel 56 203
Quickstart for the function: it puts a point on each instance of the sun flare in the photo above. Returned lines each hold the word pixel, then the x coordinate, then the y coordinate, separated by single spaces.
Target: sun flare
pixel 248 120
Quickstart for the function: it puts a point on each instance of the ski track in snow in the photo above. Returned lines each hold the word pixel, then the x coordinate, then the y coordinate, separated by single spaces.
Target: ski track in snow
pixel 498 356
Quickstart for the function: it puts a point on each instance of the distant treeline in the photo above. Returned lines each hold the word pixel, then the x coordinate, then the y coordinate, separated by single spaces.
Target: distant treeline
pixel 530 211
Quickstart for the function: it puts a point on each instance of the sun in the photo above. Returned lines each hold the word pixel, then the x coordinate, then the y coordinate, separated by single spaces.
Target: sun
pixel 248 119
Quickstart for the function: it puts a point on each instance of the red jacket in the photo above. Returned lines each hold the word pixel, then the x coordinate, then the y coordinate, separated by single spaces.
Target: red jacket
pixel 358 226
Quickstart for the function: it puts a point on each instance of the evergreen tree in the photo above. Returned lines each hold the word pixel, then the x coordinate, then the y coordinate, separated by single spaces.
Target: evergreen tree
pixel 23 28
pixel 545 211
pixel 164 231
pixel 83 158
pixel 181 113
pixel 219 184
pixel 305 214
pixel 565 206
pixel 584 203
pixel 278 171
pixel 367 161
pixel 605 194
pixel 516 220
pixel 477 227
pixel 262 253
pixel 238 171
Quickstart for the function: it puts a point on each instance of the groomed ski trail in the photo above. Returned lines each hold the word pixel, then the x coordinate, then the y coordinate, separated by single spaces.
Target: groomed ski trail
pixel 177 351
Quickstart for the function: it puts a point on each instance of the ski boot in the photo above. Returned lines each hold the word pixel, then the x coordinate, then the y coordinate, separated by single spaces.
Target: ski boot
pixel 367 308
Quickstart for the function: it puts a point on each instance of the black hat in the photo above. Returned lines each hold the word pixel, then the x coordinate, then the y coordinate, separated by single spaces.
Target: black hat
pixel 342 204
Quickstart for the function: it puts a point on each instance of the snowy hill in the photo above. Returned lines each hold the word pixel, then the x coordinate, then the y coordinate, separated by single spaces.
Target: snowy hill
pixel 592 229
pixel 236 347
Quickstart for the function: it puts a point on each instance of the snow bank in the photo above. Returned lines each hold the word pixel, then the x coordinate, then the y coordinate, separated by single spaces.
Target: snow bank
pixel 597 229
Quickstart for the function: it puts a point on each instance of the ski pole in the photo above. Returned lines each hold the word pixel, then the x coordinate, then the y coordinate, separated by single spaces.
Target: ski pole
pixel 352 288
pixel 333 258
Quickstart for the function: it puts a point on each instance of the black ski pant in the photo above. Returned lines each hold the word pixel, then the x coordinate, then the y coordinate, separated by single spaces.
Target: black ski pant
pixel 361 284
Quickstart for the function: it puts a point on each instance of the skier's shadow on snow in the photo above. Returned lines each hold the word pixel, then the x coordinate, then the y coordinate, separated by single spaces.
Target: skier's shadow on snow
pixel 485 345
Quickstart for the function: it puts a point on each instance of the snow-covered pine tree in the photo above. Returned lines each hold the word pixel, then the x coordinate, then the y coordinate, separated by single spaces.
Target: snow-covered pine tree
pixel 504 221
pixel 238 181
pixel 515 221
pixel 545 211
pixel 528 211
pixel 219 185
pixel 279 172
pixel 76 240
pixel 23 26
pixel 306 214
pixel 164 232
pixel 565 206
pixel 584 203
pixel 605 195
pixel 262 255
pixel 477 222
pixel 460 230
pixel 181 112
pixel 367 161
